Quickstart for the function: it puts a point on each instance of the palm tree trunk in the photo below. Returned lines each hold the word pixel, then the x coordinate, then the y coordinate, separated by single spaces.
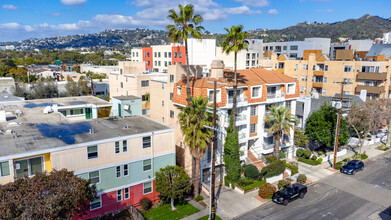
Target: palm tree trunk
pixel 197 182
pixel 388 142
pixel 187 75
pixel 235 93
pixel 276 152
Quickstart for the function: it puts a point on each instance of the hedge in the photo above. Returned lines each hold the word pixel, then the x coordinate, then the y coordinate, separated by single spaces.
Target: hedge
pixel 251 171
pixel 310 161
pixel 254 185
pixel 275 168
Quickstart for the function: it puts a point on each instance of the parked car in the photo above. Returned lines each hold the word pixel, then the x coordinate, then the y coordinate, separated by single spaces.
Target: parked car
pixel 352 167
pixel 289 193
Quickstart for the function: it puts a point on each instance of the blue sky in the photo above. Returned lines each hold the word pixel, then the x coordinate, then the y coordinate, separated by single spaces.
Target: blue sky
pixel 22 19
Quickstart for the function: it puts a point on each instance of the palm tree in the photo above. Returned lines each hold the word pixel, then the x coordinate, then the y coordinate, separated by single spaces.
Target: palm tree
pixel 235 41
pixel 186 23
pixel 281 120
pixel 193 119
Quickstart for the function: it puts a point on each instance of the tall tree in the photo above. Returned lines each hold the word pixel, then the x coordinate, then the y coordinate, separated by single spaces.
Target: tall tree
pixel 193 119
pixel 281 120
pixel 235 41
pixel 301 140
pixel 186 24
pixel 57 195
pixel 231 154
pixel 172 183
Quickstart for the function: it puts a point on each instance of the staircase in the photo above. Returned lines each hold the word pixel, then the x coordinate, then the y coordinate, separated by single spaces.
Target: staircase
pixel 255 161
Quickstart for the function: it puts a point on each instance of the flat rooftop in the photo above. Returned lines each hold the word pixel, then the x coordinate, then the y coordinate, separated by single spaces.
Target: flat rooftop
pixel 123 97
pixel 67 101
pixel 37 131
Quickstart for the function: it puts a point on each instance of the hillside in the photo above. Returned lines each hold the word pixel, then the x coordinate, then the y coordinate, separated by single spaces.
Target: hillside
pixel 366 27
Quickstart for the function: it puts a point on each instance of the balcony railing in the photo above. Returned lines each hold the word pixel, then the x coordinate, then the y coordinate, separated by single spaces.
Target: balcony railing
pixel 370 89
pixel 372 76
pixel 238 99
pixel 275 95
pixel 238 118
pixel 317 84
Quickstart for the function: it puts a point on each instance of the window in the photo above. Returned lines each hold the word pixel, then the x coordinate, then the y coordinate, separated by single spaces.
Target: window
pixel 94 177
pixel 288 104
pixel 284 47
pixel 120 71
pixel 180 54
pixel 175 54
pixel 124 145
pixel 144 98
pixel 145 111
pixel 295 77
pixel 296 66
pixel 324 91
pixel 326 68
pixel 313 67
pixel 256 92
pixel 348 69
pixel 163 119
pixel 92 152
pixel 291 89
pixel 126 169
pixel 158 54
pixel 118 171
pixel 165 63
pixel 159 63
pixel 171 114
pixel 162 103
pixel 325 79
pixel 144 83
pixel 126 193
pixel 165 54
pixel 146 142
pixel 171 95
pixel 4 168
pixel 169 62
pixel 147 54
pixel 171 78
pixel 117 147
pixel 96 204
pixel 147 187
pixel 302 89
pixel 180 63
pixel 294 47
pixel 303 66
pixel 119 195
pixel 253 128
pixel 169 55
pixel 211 95
pixel 78 111
pixel 155 54
pixel 147 165
pixel 253 110
pixel 179 90
pixel 29 167
pixel 155 63
pixel 271 47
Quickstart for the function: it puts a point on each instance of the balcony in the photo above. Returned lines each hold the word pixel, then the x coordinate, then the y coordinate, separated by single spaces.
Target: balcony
pixel 318 73
pixel 370 89
pixel 238 99
pixel 242 137
pixel 275 95
pixel 372 76
pixel 240 119
pixel 317 84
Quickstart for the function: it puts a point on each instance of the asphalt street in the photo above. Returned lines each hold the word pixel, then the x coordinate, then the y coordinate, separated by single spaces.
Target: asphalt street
pixel 366 195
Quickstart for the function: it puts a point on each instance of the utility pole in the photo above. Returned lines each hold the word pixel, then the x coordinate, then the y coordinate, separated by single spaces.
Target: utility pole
pixel 343 83
pixel 214 144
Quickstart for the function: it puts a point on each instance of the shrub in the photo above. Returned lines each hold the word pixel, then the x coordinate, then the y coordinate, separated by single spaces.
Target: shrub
pixel 266 190
pixel 275 168
pixel 198 198
pixel 364 156
pixel 301 178
pixel 283 183
pixel 300 152
pixel 282 155
pixel 251 171
pixel 309 161
pixel 270 158
pixel 146 204
pixel 307 153
pixel 294 169
pixel 245 181
pixel 338 165
pixel 254 185
pixel 383 147
pixel 320 153
pixel 314 157
pixel 319 160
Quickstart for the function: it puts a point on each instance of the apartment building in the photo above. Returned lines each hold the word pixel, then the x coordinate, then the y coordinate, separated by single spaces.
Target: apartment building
pixel 318 74
pixel 119 155
pixel 358 47
pixel 258 89
pixel 136 55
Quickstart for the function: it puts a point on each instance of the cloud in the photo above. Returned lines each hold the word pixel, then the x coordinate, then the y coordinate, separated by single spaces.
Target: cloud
pixel 255 3
pixel 325 10
pixel 272 12
pixel 55 14
pixel 73 2
pixel 10 7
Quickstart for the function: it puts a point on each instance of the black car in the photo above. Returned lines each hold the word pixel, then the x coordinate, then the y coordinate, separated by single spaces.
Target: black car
pixel 289 193
pixel 352 167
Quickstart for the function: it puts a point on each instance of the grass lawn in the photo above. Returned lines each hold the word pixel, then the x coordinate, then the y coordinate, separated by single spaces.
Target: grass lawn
pixel 206 217
pixel 164 212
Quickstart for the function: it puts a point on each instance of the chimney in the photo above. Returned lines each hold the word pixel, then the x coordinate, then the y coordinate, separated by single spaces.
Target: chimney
pixel 217 69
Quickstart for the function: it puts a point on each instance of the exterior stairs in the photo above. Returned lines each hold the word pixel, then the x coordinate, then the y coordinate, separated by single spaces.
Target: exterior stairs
pixel 255 161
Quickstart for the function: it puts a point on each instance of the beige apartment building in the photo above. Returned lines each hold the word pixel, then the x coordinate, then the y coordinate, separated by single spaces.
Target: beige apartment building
pixel 316 73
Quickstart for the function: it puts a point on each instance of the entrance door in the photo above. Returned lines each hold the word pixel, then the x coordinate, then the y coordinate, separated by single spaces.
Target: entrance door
pixel 88 113
pixel 119 110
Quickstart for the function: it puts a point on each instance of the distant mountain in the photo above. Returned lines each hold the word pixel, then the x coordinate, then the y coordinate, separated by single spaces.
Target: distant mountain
pixel 366 27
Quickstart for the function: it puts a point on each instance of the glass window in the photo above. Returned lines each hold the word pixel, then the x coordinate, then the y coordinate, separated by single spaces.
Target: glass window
pixel 180 54
pixel 175 54
pixel 165 54
pixel 291 89
pixel 118 171
pixel 348 68
pixel 171 114
pixel 171 78
pixel 117 147
pixel 296 66
pixel 256 92
pixel 293 47
pixel 162 85
pixel 179 90
pixel 126 169
pixel 96 204
pixel 126 193
pixel 94 177
pixel 92 152
pixel 171 95
pixel 253 110
pixel 284 47
pixel 146 142
pixel 147 187
pixel 326 68
pixel 169 55
pixel 28 167
pixel 124 145
pixel 253 128
pixel 147 165
pixel 119 195
pixel 144 83
pixel 162 103
pixel 288 104
pixel 159 63
pixel 4 168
